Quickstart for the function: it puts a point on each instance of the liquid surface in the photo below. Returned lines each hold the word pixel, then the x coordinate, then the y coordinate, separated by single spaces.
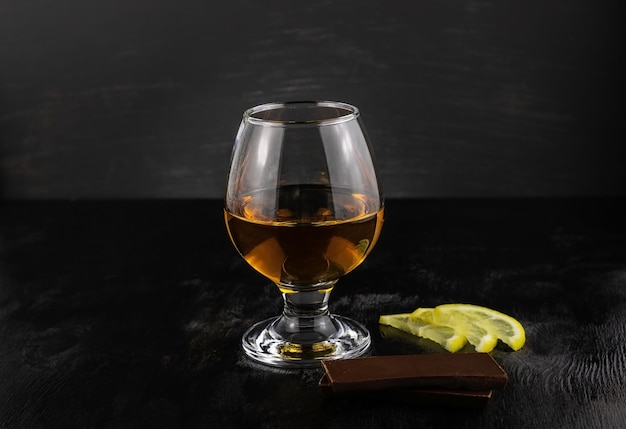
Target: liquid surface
pixel 302 236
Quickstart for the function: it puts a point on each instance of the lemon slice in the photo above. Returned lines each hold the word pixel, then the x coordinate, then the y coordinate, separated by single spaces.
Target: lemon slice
pixel 478 320
pixel 425 314
pixel 445 336
pixel 402 322
pixel 482 339
pixel 454 325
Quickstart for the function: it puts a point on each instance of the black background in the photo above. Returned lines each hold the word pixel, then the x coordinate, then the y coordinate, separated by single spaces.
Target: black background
pixel 142 99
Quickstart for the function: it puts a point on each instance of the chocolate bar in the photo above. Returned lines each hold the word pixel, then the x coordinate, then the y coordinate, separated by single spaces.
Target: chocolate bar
pixel 463 398
pixel 437 371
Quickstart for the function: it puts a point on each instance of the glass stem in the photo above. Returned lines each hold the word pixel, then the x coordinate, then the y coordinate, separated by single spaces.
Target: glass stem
pixel 306 318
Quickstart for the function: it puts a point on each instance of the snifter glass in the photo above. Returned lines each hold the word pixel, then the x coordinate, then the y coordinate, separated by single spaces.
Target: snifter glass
pixel 303 207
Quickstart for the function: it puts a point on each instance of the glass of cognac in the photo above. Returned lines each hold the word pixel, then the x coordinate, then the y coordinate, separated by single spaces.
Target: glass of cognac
pixel 303 207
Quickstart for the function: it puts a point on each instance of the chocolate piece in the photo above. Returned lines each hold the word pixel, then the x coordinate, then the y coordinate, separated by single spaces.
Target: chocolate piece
pixel 450 371
pixel 462 398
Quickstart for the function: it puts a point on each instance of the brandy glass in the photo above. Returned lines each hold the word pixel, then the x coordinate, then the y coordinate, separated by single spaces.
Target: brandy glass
pixel 303 207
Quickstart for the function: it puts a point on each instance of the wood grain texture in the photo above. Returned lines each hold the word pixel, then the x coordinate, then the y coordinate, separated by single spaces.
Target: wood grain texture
pixel 130 314
pixel 461 98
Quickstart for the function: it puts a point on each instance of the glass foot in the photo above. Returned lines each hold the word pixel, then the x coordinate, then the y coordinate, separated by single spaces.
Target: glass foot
pixel 281 342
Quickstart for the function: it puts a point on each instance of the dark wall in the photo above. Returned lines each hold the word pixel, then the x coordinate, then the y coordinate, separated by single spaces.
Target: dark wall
pixel 142 98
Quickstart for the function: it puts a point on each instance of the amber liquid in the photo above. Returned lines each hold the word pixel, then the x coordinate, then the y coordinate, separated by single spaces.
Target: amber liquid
pixel 302 237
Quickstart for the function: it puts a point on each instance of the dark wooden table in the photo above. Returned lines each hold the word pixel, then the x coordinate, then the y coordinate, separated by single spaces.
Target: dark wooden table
pixel 126 314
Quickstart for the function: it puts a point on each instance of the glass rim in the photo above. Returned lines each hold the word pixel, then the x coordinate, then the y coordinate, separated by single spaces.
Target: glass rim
pixel 351 113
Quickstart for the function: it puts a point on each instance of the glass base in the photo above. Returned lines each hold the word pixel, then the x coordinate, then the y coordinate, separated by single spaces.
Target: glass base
pixel 283 342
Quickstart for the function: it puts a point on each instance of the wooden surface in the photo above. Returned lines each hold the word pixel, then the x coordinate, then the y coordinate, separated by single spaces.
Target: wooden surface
pixel 142 99
pixel 130 314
